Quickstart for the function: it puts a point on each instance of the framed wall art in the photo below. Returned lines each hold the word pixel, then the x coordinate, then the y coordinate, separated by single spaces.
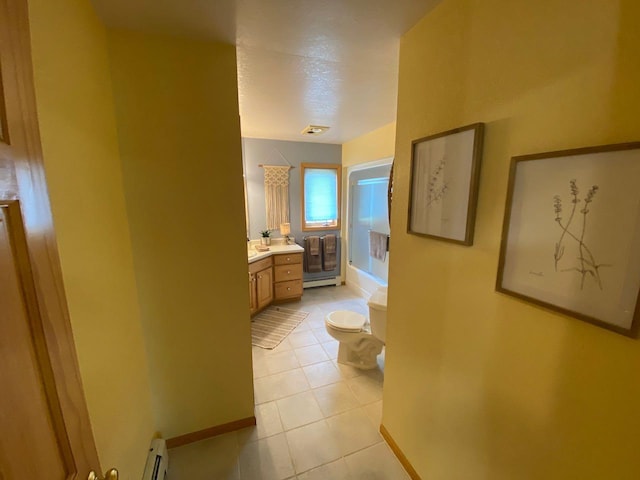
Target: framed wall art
pixel 445 170
pixel 571 234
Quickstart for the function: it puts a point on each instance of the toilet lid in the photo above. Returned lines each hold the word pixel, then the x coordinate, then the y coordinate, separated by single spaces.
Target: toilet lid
pixel 346 321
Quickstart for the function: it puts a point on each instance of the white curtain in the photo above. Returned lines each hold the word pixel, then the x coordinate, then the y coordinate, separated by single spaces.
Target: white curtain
pixel 276 195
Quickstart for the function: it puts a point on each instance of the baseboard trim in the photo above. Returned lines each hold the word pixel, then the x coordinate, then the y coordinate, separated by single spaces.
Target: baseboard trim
pixel 398 453
pixel 210 432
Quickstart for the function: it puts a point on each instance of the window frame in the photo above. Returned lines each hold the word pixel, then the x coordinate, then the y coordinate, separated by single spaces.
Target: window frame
pixel 322 166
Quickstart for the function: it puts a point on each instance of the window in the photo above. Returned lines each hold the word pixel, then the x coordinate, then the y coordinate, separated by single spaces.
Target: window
pixel 320 196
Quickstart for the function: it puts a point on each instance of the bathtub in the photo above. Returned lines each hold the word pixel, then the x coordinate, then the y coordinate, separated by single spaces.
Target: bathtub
pixel 362 282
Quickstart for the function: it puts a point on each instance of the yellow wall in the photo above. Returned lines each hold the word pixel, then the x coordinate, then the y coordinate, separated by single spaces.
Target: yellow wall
pixel 479 385
pixel 375 145
pixel 78 129
pixel 179 133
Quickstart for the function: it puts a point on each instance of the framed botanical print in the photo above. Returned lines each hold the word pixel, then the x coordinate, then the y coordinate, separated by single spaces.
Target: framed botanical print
pixel 571 234
pixel 445 171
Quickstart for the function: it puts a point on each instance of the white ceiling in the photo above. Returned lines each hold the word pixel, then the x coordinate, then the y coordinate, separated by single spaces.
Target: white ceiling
pixel 300 62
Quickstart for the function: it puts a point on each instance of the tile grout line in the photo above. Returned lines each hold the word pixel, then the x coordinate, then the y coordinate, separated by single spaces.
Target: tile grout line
pixel 332 360
pixel 341 457
pixel 320 386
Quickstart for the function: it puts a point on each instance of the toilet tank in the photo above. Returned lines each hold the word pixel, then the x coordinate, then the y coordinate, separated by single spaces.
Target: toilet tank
pixel 378 313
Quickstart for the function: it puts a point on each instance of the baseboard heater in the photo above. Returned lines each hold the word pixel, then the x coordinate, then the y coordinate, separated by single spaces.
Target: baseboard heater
pixel 157 461
pixel 322 282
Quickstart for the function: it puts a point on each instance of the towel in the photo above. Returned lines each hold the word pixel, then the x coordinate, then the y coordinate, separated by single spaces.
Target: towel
pixel 313 262
pixel 313 244
pixel 329 252
pixel 378 245
pixel 329 244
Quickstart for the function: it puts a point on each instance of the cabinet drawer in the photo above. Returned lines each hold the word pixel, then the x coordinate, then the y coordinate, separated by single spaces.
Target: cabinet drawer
pixel 288 289
pixel 260 265
pixel 284 273
pixel 285 259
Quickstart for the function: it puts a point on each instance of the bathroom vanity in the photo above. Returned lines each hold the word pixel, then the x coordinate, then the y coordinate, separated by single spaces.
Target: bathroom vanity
pixel 275 276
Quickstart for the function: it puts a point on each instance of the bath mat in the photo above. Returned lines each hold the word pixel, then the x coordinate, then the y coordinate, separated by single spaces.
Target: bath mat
pixel 272 325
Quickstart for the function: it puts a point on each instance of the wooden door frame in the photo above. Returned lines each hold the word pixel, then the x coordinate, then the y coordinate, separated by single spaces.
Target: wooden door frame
pixel 26 150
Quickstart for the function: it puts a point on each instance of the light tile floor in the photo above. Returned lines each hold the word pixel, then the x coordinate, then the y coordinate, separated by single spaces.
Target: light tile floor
pixel 316 419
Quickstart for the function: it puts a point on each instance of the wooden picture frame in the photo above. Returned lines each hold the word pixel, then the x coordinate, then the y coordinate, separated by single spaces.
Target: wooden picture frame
pixel 445 173
pixel 571 234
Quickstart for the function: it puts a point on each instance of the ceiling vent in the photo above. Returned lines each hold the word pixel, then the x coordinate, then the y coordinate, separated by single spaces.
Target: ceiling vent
pixel 314 130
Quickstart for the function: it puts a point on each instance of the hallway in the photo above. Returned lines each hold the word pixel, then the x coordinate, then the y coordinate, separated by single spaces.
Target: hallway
pixel 316 419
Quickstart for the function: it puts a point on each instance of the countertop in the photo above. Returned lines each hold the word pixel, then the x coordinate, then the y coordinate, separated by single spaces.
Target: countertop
pixel 273 250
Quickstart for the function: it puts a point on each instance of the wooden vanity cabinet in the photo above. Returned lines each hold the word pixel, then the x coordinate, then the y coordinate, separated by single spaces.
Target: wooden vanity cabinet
pixel 287 277
pixel 275 279
pixel 260 284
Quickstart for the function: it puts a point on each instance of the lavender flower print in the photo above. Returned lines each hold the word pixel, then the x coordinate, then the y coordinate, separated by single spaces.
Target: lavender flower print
pixel 573 231
pixel 437 187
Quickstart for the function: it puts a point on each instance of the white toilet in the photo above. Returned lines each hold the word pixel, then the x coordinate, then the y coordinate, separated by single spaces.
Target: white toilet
pixel 360 342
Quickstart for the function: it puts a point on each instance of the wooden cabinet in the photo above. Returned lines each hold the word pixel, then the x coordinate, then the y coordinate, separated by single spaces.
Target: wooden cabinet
pixel 275 279
pixel 287 277
pixel 260 285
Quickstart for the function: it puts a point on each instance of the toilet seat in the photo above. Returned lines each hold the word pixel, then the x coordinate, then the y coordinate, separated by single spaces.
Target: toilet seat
pixel 346 321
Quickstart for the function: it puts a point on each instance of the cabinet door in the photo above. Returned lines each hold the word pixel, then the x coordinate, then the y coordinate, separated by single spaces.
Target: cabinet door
pixel 253 297
pixel 264 281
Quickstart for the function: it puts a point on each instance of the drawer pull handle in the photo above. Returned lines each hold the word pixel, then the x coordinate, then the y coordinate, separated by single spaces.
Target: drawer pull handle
pixel 288 272
pixel 288 289
pixel 288 258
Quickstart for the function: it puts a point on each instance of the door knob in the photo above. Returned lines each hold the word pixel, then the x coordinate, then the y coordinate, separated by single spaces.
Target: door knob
pixel 110 475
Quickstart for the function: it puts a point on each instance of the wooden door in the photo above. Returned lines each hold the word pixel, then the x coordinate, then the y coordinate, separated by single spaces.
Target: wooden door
pixel 44 423
pixel 33 437
pixel 265 287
